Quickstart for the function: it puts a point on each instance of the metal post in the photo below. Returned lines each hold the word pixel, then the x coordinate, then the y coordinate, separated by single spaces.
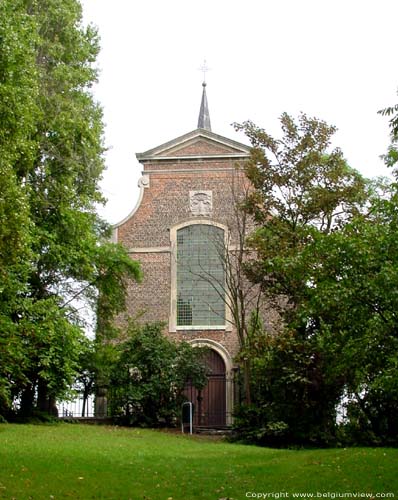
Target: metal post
pixel 190 417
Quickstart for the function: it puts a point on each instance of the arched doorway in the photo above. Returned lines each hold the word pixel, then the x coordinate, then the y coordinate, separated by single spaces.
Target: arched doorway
pixel 210 403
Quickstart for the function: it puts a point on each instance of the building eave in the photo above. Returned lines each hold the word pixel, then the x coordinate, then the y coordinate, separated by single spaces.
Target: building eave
pixel 243 150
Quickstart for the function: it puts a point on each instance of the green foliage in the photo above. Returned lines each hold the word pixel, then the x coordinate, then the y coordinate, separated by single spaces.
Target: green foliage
pixel 301 189
pixel 354 297
pixel 54 353
pixel 340 340
pixel 113 268
pixel 391 157
pixel 320 266
pixel 293 400
pixel 149 376
pixel 18 91
pixel 53 257
pixel 252 425
pixel 298 179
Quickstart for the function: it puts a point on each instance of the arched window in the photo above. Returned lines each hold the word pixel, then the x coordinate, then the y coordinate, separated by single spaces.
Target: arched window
pixel 200 276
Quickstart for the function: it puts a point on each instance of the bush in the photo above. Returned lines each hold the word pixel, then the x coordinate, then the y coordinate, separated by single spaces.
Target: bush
pixel 149 377
pixel 251 426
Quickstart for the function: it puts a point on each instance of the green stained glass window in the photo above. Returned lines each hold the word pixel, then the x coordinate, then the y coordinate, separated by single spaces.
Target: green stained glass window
pixel 200 276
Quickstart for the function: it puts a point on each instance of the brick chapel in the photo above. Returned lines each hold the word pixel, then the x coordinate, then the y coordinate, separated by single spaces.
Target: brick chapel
pixel 185 206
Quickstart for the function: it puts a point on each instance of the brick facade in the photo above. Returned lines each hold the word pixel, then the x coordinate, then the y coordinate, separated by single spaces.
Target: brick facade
pixel 199 161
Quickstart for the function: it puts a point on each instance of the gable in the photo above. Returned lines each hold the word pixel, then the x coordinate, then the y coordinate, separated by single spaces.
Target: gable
pixel 199 143
pixel 200 147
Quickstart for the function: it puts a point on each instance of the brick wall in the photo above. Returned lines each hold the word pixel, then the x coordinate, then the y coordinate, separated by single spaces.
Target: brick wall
pixel 165 203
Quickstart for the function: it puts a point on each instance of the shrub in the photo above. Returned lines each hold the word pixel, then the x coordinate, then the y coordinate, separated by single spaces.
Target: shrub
pixel 149 377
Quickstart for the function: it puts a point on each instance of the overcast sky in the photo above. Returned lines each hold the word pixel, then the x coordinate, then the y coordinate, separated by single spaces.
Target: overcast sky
pixel 333 59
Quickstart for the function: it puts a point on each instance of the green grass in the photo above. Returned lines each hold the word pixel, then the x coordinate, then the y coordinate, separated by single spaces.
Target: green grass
pixel 95 462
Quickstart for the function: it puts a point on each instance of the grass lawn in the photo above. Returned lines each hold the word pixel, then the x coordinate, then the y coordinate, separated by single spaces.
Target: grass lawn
pixel 96 462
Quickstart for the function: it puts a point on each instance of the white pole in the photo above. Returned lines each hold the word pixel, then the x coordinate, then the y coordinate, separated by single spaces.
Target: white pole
pixel 190 417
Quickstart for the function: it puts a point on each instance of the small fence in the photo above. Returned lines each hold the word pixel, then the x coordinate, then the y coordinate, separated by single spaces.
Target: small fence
pixel 77 408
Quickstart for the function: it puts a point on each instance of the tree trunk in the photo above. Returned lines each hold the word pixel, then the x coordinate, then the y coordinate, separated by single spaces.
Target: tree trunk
pixel 27 401
pixel 84 405
pixel 85 398
pixel 45 402
pixel 246 382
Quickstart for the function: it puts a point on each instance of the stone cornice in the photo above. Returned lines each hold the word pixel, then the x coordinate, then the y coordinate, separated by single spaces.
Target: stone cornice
pixel 242 150
pixel 223 156
pixel 187 170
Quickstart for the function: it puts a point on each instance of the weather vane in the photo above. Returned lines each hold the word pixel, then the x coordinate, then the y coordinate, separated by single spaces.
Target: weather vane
pixel 204 68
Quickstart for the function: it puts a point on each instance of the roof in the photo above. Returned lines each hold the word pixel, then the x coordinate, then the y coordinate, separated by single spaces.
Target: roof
pixel 217 146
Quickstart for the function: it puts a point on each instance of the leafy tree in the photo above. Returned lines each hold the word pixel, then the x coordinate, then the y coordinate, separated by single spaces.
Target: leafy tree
pixel 149 376
pixel 240 297
pixel 303 192
pixel 18 91
pixel 85 379
pixel 52 161
pixel 243 299
pixel 354 297
pixel 327 253
pixel 391 157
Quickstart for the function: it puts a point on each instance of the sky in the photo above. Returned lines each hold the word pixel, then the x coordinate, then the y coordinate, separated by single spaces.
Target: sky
pixel 332 59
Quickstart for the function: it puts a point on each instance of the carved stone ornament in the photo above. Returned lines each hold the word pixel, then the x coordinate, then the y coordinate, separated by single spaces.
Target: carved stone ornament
pixel 201 202
pixel 143 181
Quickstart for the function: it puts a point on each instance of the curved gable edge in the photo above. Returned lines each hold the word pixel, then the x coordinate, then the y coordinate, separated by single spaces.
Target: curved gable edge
pixel 143 183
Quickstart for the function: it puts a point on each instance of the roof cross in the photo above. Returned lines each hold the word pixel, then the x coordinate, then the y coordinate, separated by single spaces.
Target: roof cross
pixel 204 68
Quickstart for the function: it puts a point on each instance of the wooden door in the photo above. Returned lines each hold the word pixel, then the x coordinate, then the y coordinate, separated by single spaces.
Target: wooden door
pixel 210 403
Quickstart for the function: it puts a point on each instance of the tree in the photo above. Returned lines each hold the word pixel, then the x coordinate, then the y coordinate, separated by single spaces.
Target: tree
pixel 303 191
pixel 52 139
pixel 149 376
pixel 18 91
pixel 391 157
pixel 215 260
pixel 243 298
pixel 353 295
pixel 85 379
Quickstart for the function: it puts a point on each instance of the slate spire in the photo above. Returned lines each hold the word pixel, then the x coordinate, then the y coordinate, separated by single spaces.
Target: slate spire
pixel 204 115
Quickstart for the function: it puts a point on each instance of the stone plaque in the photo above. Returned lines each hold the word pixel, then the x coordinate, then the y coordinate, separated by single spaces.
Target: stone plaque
pixel 201 202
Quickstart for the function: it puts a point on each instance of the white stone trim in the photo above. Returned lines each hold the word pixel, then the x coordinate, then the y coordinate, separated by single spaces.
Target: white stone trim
pixel 201 328
pixel 188 170
pixel 143 183
pixel 222 156
pixel 197 220
pixel 114 235
pixel 150 250
pixel 173 278
pixel 190 138
pixel 229 374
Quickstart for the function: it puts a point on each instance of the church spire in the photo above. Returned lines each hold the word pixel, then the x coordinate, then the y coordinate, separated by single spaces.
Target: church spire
pixel 204 115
